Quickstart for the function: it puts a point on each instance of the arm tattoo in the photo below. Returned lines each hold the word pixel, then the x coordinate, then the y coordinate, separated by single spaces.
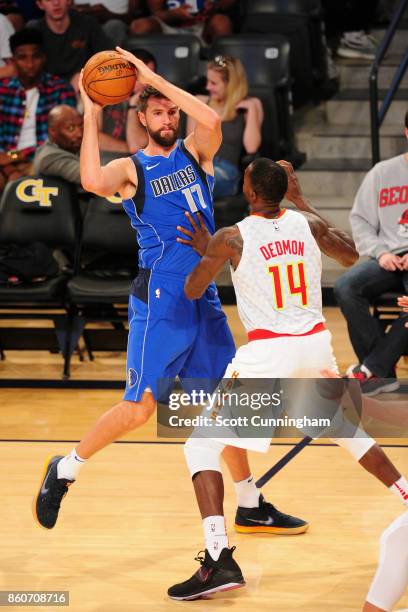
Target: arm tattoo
pixel 235 242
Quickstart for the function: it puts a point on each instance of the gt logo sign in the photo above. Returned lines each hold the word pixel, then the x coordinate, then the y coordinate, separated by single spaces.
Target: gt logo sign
pixel 33 190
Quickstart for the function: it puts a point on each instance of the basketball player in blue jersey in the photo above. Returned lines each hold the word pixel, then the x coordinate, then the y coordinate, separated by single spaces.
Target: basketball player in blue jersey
pixel 169 335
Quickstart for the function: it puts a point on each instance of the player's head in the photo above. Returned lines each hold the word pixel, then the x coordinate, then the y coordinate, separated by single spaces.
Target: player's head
pixel 55 10
pixel 28 54
pixel 227 83
pixel 65 127
pixel 160 116
pixel 265 184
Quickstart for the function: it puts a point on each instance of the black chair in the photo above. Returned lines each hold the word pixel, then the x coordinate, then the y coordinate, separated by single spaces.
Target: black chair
pixel 37 209
pixel 386 309
pixel 177 55
pixel 301 21
pixel 266 62
pixel 99 291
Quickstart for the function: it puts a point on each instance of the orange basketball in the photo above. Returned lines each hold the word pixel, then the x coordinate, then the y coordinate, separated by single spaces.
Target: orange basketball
pixel 108 78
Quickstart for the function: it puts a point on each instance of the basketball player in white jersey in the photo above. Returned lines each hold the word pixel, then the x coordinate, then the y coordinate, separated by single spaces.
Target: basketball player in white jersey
pixel 276 268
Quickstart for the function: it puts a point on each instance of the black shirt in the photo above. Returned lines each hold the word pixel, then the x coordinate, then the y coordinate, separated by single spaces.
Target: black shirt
pixel 67 53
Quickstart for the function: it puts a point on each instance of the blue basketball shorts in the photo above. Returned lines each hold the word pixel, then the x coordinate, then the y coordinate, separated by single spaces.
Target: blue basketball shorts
pixel 171 336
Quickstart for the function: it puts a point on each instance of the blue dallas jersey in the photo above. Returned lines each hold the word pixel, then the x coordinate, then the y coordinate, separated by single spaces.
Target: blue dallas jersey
pixel 167 188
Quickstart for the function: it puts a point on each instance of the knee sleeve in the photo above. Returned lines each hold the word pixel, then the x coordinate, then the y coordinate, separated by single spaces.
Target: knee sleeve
pixel 357 447
pixel 391 578
pixel 203 454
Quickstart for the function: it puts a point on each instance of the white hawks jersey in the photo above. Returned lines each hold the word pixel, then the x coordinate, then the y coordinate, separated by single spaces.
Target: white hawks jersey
pixel 278 280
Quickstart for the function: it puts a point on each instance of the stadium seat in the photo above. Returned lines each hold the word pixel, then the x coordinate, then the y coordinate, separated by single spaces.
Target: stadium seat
pixel 37 209
pixel 99 291
pixel 177 55
pixel 266 61
pixel 302 22
pixel 386 309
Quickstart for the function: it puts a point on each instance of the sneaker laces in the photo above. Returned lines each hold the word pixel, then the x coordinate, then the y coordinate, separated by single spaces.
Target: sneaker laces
pixel 201 560
pixel 273 510
pixel 58 494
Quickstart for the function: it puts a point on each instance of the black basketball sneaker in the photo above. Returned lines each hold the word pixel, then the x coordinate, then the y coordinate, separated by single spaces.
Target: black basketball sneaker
pixel 212 576
pixel 47 503
pixel 267 519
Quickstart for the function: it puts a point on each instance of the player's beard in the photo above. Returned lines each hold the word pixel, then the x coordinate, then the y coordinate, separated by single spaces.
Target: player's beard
pixel 163 141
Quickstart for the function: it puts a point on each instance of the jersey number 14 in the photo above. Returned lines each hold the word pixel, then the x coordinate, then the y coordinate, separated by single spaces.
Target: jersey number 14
pixel 299 287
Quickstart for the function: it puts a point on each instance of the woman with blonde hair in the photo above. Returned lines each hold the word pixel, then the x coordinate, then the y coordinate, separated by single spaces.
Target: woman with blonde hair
pixel 241 116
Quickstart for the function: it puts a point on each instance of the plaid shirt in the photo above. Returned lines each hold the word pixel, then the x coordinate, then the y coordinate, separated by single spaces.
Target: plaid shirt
pixel 53 91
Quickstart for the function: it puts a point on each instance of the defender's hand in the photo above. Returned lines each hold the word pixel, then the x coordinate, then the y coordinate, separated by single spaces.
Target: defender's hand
pixel 294 193
pixel 199 238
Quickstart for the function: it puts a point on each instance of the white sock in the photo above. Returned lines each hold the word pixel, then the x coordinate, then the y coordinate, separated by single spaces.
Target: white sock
pixel 247 493
pixel 215 535
pixel 366 370
pixel 400 488
pixel 70 465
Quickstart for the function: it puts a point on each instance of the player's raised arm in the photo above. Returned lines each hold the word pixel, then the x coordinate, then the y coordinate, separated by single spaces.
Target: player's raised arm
pixel 206 137
pixel 226 244
pixel 332 241
pixel 117 176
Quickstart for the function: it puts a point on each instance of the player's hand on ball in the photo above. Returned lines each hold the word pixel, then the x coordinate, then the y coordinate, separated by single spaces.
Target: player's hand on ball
pixel 89 105
pixel 144 74
pixel 197 239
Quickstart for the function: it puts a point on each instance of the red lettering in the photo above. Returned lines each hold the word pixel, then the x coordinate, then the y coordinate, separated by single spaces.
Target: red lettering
pixel 294 247
pixel 403 198
pixel 393 195
pixel 301 250
pixel 383 198
pixel 286 247
pixel 270 247
pixel 265 252
pixel 279 249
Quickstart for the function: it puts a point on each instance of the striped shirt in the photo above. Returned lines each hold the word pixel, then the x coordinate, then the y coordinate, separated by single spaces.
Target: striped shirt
pixel 53 91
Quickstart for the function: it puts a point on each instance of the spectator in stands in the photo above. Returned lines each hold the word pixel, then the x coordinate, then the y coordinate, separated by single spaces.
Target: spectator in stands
pixel 69 39
pixel 241 125
pixel 379 220
pixel 59 155
pixel 347 25
pixel 7 68
pixel 25 101
pixel 114 14
pixel 204 18
pixel 120 128
pixel 11 9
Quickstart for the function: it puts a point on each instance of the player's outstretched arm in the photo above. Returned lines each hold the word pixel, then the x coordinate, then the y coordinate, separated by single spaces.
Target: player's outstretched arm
pixel 206 137
pixel 226 244
pixel 117 176
pixel 332 241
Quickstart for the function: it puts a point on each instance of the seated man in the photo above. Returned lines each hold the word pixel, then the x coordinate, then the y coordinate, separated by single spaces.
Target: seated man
pixel 59 155
pixel 113 14
pixel 379 220
pixel 69 39
pixel 204 18
pixel 25 101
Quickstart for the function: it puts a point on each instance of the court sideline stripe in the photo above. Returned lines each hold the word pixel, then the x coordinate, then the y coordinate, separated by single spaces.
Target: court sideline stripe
pixel 173 443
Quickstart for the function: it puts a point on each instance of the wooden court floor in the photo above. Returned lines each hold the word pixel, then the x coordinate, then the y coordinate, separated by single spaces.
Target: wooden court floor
pixel 130 528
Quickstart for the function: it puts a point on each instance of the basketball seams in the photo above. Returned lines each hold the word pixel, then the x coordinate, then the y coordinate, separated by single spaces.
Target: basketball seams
pixel 107 87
